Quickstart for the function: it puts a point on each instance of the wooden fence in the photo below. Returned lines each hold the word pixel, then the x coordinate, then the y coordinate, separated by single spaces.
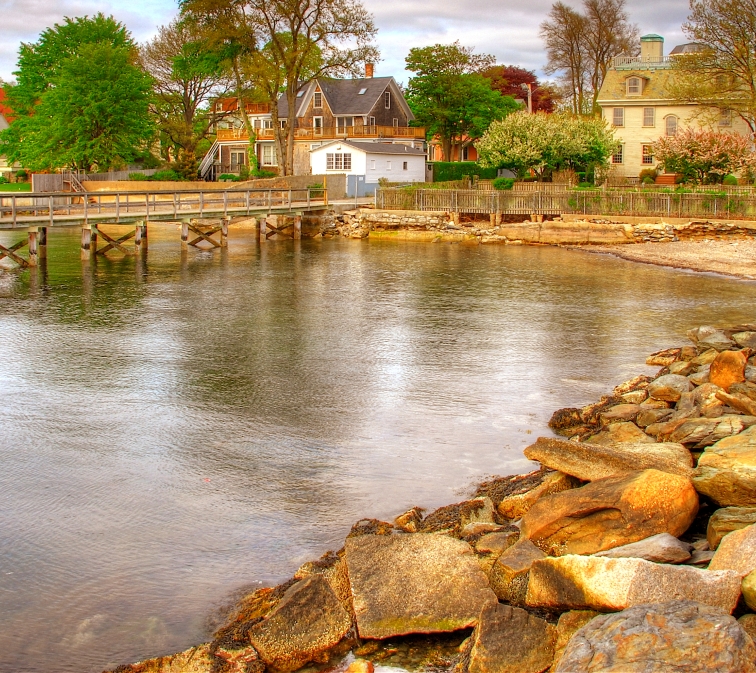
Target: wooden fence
pixel 570 202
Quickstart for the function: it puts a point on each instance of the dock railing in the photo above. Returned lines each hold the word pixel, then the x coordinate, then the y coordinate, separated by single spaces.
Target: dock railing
pixel 20 209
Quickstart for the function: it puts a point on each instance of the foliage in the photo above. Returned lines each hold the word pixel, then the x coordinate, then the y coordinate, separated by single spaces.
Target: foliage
pixel 648 173
pixel 449 96
pixel 581 47
pixel 648 180
pixel 187 77
pixel 138 177
pixel 503 183
pixel 22 175
pixel 730 180
pixel 509 80
pixel 544 143
pixel 703 156
pixel 586 185
pixel 228 177
pixel 81 99
pixel 16 187
pixel 260 174
pixel 3 180
pixel 168 175
pixel 444 171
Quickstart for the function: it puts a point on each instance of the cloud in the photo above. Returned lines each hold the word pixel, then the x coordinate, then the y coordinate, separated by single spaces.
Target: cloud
pixel 508 29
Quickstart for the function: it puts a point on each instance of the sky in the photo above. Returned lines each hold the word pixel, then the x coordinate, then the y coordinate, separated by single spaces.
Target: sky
pixel 508 29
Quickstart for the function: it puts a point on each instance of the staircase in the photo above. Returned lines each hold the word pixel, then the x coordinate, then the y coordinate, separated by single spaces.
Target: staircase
pixel 206 165
pixel 72 179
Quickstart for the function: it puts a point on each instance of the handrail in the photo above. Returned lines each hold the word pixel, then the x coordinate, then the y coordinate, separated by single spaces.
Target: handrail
pixel 328 133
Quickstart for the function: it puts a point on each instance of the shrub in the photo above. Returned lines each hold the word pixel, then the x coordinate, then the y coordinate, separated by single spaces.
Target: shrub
pixel 3 180
pixel 648 180
pixel 138 177
pixel 730 180
pixel 647 173
pixel 243 172
pixel 168 175
pixel 586 185
pixel 444 171
pixel 265 174
pixel 503 183
pixel 228 177
pixel 22 174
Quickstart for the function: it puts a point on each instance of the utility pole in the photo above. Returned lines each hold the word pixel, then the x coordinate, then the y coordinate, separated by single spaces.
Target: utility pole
pixel 530 98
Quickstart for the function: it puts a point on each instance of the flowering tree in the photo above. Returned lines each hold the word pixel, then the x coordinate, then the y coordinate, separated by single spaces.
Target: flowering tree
pixel 703 156
pixel 543 143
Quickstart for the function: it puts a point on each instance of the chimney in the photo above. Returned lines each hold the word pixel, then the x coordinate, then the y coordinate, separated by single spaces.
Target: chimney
pixel 369 67
pixel 652 48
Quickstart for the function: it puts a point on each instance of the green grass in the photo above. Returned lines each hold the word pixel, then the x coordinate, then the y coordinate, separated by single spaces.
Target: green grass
pixel 16 187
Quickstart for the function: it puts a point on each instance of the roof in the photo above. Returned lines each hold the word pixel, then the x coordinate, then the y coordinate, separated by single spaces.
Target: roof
pixel 689 48
pixel 343 95
pixel 652 37
pixel 656 86
pixel 377 148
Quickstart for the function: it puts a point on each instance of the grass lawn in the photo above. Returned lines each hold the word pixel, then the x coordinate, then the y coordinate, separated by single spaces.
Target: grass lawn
pixel 16 187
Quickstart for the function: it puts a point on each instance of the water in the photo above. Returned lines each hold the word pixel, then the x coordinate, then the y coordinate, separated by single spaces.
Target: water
pixel 175 428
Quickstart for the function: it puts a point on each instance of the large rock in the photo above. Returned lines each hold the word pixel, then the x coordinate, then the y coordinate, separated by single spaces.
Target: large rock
pixel 739 402
pixel 568 625
pixel 515 506
pixel 417 583
pixel 736 551
pixel 611 512
pixel 728 368
pixel 726 520
pixel 674 636
pixel 619 412
pixel 605 584
pixel 698 433
pixel 308 621
pixel 705 358
pixel 661 548
pixel 590 461
pixel 194 660
pixel 745 339
pixel 619 433
pixel 669 387
pixel 748 588
pixel 511 640
pixel 708 338
pixel 509 575
pixel 748 622
pixel 726 471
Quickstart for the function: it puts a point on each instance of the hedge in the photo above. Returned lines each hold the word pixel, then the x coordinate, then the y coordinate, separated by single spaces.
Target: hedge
pixel 444 171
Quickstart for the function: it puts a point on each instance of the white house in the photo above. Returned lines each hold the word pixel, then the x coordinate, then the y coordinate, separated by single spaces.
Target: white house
pixel 365 163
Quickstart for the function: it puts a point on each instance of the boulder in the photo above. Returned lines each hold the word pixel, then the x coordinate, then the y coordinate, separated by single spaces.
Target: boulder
pixel 453 519
pixel 619 412
pixel 650 416
pixel 726 471
pixel 698 433
pixel 748 622
pixel 417 583
pixel 682 368
pixel 669 387
pixel 726 520
pixel 747 388
pixel 664 358
pixel 517 505
pixel 619 433
pixel 736 551
pixel 705 358
pixel 568 625
pixel 748 589
pixel 496 543
pixel 607 584
pixel 194 660
pixel 651 403
pixel 741 403
pixel 635 396
pixel 636 383
pixel 745 340
pixel 673 636
pixel 334 571
pixel 308 621
pixel 590 461
pixel 708 338
pixel 360 666
pixel 509 575
pixel 410 521
pixel 511 640
pixel 611 512
pixel 661 548
pixel 700 377
pixel 728 368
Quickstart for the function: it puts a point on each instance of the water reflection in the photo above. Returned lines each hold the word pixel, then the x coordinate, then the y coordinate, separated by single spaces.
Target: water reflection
pixel 176 424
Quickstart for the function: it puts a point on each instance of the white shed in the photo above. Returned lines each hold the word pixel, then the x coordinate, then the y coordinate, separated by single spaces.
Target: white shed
pixel 370 162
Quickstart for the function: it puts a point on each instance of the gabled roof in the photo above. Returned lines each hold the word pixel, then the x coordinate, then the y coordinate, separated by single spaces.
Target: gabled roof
pixel 614 88
pixel 344 98
pixel 376 148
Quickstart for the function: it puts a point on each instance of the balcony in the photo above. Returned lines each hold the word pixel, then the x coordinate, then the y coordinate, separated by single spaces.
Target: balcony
pixel 329 133
pixel 642 63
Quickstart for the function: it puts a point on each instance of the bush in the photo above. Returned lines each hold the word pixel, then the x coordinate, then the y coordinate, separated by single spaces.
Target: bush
pixel 730 180
pixel 648 180
pixel 167 176
pixel 586 185
pixel 228 177
pixel 647 173
pixel 22 174
pixel 243 172
pixel 265 174
pixel 503 183
pixel 444 171
pixel 138 177
pixel 3 180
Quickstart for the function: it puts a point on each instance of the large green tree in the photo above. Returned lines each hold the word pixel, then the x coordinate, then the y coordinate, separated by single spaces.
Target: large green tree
pixel 450 97
pixel 81 99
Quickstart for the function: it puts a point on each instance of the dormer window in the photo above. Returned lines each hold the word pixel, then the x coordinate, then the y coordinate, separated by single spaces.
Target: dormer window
pixel 317 100
pixel 634 86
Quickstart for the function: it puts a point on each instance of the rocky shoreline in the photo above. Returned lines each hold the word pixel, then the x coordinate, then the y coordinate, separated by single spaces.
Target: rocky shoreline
pixel 632 549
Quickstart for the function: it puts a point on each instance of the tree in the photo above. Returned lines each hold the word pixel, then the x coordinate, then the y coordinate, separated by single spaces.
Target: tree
pixel 187 77
pixel 450 97
pixel 280 45
pixel 81 99
pixel 544 143
pixel 721 74
pixel 581 47
pixel 509 80
pixel 704 156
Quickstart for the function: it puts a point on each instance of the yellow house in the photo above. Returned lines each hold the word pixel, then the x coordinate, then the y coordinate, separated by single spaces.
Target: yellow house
pixel 635 100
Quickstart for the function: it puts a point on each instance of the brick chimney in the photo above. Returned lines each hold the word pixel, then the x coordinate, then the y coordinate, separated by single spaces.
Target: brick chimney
pixel 369 68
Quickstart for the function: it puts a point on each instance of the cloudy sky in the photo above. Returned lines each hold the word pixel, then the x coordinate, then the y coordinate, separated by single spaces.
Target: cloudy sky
pixel 506 28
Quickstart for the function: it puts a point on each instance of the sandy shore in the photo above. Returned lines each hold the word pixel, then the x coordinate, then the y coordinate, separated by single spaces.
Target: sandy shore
pixel 731 258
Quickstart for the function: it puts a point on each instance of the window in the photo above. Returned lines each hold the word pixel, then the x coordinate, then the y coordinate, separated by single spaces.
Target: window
pixel 300 93
pixel 257 123
pixel 268 155
pixel 618 118
pixel 634 86
pixel 237 159
pixel 725 117
pixel 465 153
pixel 361 92
pixel 388 165
pixel 404 165
pixel 338 161
pixel 670 125
pixel 387 99
pixel 617 156
pixel 317 100
pixel 344 122
pixel 267 123
pixel 647 154
pixel 396 123
pixel 317 126
pixel 372 121
pixel 283 123
pixel 649 118
pixel 372 164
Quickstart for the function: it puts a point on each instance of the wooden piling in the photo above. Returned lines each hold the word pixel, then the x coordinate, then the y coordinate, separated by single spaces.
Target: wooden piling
pixel 86 240
pixel 263 229
pixel 224 232
pixel 138 236
pixel 144 235
pixel 297 227
pixel 185 234
pixel 42 242
pixel 33 250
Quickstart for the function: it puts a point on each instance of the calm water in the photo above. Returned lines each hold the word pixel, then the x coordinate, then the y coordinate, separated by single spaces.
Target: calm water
pixel 175 428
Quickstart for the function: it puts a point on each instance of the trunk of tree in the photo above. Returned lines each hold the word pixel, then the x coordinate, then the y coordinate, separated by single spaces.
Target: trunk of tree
pixel 446 146
pixel 291 122
pixel 251 155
